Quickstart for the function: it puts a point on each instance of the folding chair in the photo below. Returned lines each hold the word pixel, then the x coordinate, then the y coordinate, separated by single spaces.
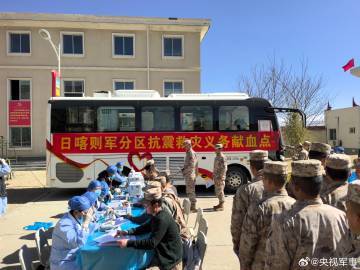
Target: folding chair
pixel 201 243
pixel 25 258
pixel 186 206
pixel 43 248
pixel 203 226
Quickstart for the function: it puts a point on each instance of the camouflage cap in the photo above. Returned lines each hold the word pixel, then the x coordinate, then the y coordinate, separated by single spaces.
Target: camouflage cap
pixel 152 184
pixel 161 180
pixel 338 161
pixel 219 146
pixel 275 167
pixel 150 162
pixel 307 143
pixel 307 168
pixel 321 147
pixel 259 155
pixel 354 192
pixel 152 194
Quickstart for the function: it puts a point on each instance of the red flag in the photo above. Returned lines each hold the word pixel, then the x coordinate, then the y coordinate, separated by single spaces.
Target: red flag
pixel 349 65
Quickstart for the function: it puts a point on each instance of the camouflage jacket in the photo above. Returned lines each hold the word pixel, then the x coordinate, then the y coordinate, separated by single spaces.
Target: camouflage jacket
pixel 190 164
pixel 353 257
pixel 309 230
pixel 245 195
pixel 335 194
pixel 256 227
pixel 220 168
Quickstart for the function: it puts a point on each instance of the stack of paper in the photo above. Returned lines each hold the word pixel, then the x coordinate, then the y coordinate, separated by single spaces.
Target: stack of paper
pixel 109 239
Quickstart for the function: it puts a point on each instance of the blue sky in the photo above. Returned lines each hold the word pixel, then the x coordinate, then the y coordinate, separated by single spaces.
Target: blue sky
pixel 244 34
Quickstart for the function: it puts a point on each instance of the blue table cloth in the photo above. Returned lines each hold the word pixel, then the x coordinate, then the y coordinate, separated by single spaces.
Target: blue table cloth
pixel 91 256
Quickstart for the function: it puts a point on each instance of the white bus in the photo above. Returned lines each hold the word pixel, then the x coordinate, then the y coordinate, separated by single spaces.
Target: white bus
pixel 86 134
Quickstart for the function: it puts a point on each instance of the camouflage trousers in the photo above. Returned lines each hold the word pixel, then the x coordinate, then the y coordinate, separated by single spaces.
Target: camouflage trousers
pixel 219 189
pixel 190 188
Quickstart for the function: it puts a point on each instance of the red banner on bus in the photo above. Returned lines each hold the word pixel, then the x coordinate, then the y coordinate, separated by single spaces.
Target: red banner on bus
pixel 162 141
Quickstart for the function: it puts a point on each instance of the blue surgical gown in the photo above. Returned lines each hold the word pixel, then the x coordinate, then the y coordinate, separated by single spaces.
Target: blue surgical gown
pixel 67 238
pixel 119 178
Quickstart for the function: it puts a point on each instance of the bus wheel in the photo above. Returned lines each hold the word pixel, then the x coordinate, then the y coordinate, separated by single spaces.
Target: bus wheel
pixel 235 177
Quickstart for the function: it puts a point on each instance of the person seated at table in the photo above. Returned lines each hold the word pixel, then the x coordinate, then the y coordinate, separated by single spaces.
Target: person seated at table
pixel 150 172
pixel 69 234
pixel 95 187
pixel 172 203
pixel 169 187
pixel 165 235
pixel 103 177
pixel 116 178
pixel 145 217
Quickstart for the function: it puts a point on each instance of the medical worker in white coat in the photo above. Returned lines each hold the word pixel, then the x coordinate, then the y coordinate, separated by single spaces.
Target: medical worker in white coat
pixel 70 234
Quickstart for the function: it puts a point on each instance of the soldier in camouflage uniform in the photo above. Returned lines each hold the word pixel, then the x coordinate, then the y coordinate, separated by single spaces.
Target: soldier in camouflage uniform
pixel 257 222
pixel 307 146
pixel 353 216
pixel 190 172
pixel 310 229
pixel 150 172
pixel 219 175
pixel 247 194
pixel 319 151
pixel 302 153
pixel 338 168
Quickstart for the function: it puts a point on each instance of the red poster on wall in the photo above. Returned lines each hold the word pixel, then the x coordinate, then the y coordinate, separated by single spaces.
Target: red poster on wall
pixel 19 113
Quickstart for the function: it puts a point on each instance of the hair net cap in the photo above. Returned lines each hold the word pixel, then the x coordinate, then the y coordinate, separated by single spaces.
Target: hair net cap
pixel 94 184
pixel 111 169
pixel 120 163
pixel 79 203
pixel 91 196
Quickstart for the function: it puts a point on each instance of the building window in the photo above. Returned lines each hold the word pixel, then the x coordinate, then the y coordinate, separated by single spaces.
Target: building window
pixel 196 118
pixel 73 88
pixel 233 118
pixel 124 85
pixel 352 130
pixel 73 44
pixel 19 43
pixel 123 45
pixel 20 137
pixel 332 134
pixel 173 87
pixel 173 46
pixel 19 89
pixel 121 118
pixel 150 118
pixel 80 119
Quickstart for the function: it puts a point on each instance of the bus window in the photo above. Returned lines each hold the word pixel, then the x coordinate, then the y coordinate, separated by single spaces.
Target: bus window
pixel 150 118
pixel 233 118
pixel 79 119
pixel 116 118
pixel 196 118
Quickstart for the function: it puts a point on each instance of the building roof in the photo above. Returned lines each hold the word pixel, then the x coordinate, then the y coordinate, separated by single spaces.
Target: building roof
pixel 103 22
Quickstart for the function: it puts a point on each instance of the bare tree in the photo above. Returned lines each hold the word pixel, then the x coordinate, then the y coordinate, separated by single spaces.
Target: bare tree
pixel 285 87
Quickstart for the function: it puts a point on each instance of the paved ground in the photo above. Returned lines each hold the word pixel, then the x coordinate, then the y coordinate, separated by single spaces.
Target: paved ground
pixel 30 201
